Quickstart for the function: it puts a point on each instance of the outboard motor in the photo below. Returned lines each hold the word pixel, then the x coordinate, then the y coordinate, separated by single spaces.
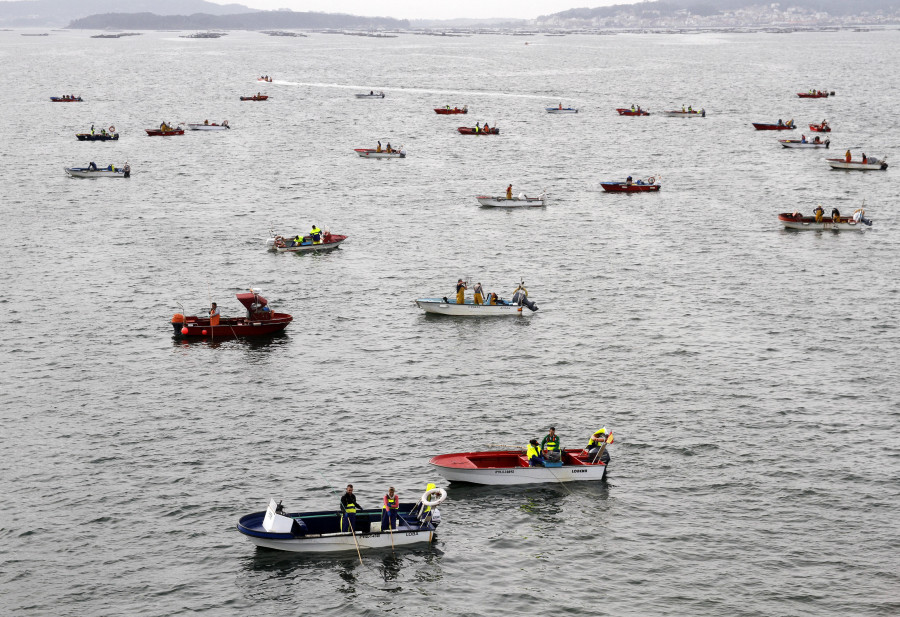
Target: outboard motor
pixel 520 299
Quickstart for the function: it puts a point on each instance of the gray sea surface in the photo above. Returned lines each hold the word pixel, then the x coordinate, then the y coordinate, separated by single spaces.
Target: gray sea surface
pixel 749 373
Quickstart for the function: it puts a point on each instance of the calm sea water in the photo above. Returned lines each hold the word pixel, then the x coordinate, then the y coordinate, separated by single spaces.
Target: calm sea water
pixel 749 373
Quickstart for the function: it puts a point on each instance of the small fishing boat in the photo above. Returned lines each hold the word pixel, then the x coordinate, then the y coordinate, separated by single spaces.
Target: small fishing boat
pixel 561 110
pixel 817 94
pixel 466 130
pixel 632 112
pixel 101 136
pixel 370 95
pixel 166 132
pixel 289 244
pixel 517 201
pixel 690 113
pixel 510 467
pixel 92 171
pixel 870 164
pixel 761 126
pixel 255 97
pixel 206 126
pixel 456 110
pixel 260 320
pixel 66 99
pixel 265 78
pixel 321 531
pixel 639 186
pixel 795 220
pixel 502 308
pixel 798 143
pixel 372 153
pixel 820 128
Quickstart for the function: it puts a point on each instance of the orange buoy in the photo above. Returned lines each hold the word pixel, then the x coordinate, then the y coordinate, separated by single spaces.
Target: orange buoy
pixel 184 330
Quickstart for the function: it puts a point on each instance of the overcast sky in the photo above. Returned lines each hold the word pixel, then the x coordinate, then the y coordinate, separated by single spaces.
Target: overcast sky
pixel 429 9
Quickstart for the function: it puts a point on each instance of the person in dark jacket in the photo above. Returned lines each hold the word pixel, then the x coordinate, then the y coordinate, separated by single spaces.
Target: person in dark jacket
pixel 349 505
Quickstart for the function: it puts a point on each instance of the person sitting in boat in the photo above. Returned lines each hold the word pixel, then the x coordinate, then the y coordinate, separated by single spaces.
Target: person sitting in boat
pixel 461 288
pixel 817 140
pixel 390 508
pixel 639 182
pixel 628 181
pixel 448 108
pixel 509 192
pixel 682 109
pixel 632 107
pixel 92 166
pixel 378 147
pixel 533 454
pixel 835 215
pixel 486 128
pixel 214 315
pixel 206 122
pixel 477 127
pixel 316 235
pixel 819 212
pixel 865 159
pixel 298 240
pixel 803 139
pixel 494 299
pixel 388 148
pixel 595 447
pixel 550 446
pixel 690 109
pixel 848 157
pixel 780 122
pixel 224 122
pixel 349 505
pixel 479 294
pixel 790 122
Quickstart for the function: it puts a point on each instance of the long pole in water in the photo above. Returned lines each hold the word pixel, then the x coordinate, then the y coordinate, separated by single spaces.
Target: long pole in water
pixel 352 531
pixel 212 330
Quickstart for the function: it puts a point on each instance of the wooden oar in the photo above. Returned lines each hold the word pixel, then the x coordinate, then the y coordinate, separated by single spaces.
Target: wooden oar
pixel 353 533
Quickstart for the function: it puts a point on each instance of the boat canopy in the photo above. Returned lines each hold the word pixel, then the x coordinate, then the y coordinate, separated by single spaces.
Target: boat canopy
pixel 248 299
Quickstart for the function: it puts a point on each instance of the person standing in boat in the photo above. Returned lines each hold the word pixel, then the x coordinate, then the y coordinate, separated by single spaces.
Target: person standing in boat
pixel 461 288
pixel 390 508
pixel 595 447
pixel 479 294
pixel 509 192
pixel 819 212
pixel 628 181
pixel 316 235
pixel 214 315
pixel 388 149
pixel 378 147
pixel 550 446
pixel 533 454
pixel 835 215
pixel 486 128
pixel 848 157
pixel 349 506
pixel 478 127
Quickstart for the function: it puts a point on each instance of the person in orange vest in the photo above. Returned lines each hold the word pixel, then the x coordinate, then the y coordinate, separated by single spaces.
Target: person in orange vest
pixel 214 315
pixel 390 508
pixel 509 192
pixel 848 156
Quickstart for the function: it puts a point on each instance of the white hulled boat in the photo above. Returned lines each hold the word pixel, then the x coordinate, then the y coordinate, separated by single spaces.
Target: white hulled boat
pixel 519 201
pixel 209 127
pixel 510 467
pixel 799 143
pixel 871 164
pixel 690 113
pixel 92 171
pixel 371 153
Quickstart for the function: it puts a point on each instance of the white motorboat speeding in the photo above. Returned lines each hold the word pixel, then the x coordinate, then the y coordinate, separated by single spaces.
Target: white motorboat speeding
pixel 323 531
pixel 92 171
pixel 206 126
pixel 466 307
pixel 519 201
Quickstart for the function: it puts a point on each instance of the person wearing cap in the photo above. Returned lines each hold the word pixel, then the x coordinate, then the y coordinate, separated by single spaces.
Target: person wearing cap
pixel 390 507
pixel 349 506
pixel 595 445
pixel 550 446
pixel 533 454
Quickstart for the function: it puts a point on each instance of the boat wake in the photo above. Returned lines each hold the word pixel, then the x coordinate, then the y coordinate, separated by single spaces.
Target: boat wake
pixel 417 90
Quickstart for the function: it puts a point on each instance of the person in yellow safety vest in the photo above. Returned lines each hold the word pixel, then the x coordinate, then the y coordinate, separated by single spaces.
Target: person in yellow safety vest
pixel 298 240
pixel 550 446
pixel 595 444
pixel 348 510
pixel 316 235
pixel 477 127
pixel 425 517
pixel 479 294
pixel 378 147
pixel 533 454
pixel 819 212
pixel 389 510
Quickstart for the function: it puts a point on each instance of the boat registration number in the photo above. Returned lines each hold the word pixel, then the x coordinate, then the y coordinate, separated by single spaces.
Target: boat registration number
pixel 505 471
pixel 579 471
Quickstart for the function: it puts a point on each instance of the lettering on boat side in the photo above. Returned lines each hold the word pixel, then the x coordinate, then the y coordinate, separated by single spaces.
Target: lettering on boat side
pixel 412 533
pixel 505 471
pixel 579 471
pixel 370 535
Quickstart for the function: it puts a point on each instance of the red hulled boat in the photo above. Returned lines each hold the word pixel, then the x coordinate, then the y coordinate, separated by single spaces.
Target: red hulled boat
pixel 820 128
pixel 640 186
pixel 446 110
pixel 66 99
pixel 818 94
pixel 164 132
pixel 760 126
pixel 260 320
pixel 257 97
pixel 465 130
pixel 632 112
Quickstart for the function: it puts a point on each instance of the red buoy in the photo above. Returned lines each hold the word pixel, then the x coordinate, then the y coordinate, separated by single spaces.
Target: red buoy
pixel 204 333
pixel 184 330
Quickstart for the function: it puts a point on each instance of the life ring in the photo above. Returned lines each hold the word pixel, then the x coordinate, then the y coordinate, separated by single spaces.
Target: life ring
pixel 112 129
pixel 440 494
pixel 651 180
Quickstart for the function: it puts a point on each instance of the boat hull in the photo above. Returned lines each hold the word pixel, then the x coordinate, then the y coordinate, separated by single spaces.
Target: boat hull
pixel 255 98
pixel 380 95
pixel 97 137
pixel 273 245
pixel 818 95
pixel 208 127
pixel 627 112
pixel 564 110
pixel 796 143
pixel 759 126
pixel 791 221
pixel 510 467
pixel 856 165
pixel 84 172
pixel 161 133
pixel 370 153
pixel 515 202
pixel 466 130
pixel 448 112
pixel 233 327
pixel 437 306
pixel 684 114
pixel 57 99
pixel 622 187
pixel 818 128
